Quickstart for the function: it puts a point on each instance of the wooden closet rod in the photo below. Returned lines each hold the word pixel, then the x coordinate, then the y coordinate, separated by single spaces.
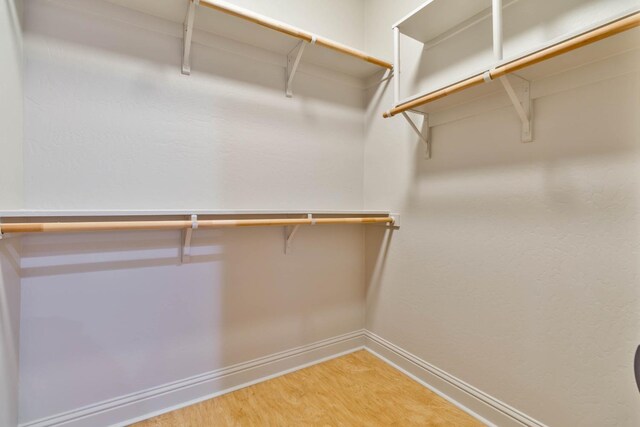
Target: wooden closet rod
pixel 584 39
pixel 291 31
pixel 71 227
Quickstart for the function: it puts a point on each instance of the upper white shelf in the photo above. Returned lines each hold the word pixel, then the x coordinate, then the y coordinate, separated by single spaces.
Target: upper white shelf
pixel 616 46
pixel 436 17
pixel 247 27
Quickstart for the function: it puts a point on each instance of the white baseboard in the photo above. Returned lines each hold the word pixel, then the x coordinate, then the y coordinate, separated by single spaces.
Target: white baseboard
pixel 479 404
pixel 134 407
pixel 127 409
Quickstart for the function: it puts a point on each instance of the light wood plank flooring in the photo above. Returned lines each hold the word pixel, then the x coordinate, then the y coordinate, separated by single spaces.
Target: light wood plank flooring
pixel 354 390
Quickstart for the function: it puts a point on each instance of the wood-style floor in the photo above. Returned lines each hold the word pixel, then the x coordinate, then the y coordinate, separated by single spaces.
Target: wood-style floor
pixel 354 390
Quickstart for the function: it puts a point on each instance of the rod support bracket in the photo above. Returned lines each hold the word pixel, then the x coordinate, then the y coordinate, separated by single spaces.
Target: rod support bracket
pixel 289 233
pixel 396 221
pixel 293 61
pixel 425 133
pixel 291 230
pixel 519 92
pixel 187 36
pixel 187 233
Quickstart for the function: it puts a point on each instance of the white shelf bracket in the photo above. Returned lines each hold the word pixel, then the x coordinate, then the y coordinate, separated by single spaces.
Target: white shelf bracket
pixel 425 133
pixel 187 35
pixel 290 232
pixel 293 61
pixel 519 91
pixel 186 240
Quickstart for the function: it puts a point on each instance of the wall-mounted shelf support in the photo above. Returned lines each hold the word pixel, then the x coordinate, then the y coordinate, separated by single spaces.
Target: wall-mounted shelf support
pixel 395 224
pixel 290 232
pixel 519 91
pixel 293 60
pixel 185 255
pixel 188 35
pixel 425 133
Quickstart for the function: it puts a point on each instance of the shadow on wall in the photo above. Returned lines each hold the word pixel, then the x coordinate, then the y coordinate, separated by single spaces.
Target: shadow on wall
pixel 489 143
pixel 537 243
pixel 9 329
pixel 13 12
pixel 120 305
pixel 148 43
pixel 377 244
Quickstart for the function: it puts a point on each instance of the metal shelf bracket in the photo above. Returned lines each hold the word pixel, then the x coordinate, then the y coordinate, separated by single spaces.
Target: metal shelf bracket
pixel 187 35
pixel 519 91
pixel 185 255
pixel 425 133
pixel 293 61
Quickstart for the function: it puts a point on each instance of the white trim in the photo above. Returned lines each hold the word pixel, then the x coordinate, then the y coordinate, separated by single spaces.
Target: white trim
pixel 134 407
pixel 430 387
pixel 477 403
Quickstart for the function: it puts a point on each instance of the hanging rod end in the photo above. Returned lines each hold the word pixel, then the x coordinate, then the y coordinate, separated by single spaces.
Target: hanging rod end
pixel 387 114
pixel 395 220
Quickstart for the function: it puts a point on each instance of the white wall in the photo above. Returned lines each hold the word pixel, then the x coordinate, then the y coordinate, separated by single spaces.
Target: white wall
pixel 338 20
pixel 11 105
pixel 11 117
pixel 111 123
pixel 9 330
pixel 516 269
pixel 107 104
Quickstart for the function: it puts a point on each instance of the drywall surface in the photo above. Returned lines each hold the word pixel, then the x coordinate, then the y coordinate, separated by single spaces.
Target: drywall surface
pixel 9 330
pixel 339 20
pixel 115 313
pixel 11 130
pixel 112 124
pixel 516 268
pixel 11 105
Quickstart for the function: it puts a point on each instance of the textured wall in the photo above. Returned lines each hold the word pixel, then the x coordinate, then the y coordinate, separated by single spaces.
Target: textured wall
pixel 11 117
pixel 11 105
pixel 107 102
pixel 111 123
pixel 517 266
pixel 9 330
